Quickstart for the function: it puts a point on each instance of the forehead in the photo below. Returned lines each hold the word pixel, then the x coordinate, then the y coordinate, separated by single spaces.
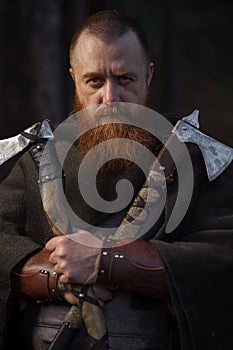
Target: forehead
pixel 92 48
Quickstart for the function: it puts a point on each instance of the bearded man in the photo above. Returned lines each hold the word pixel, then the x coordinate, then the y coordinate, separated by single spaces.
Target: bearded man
pixel 158 291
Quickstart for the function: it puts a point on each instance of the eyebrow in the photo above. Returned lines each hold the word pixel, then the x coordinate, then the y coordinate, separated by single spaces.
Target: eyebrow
pixel 90 75
pixel 127 73
pixel 94 74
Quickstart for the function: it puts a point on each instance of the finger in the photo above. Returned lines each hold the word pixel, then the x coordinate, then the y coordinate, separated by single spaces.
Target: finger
pixel 64 279
pixel 52 258
pixel 50 245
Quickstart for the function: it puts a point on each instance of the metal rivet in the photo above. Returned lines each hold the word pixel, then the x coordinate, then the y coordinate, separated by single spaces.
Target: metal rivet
pixel 121 256
pixel 105 253
pixel 184 127
pixel 47 177
pixel 116 256
pixel 38 147
pixel 102 271
pixel 162 167
pixel 81 295
pixel 54 273
pixel 53 290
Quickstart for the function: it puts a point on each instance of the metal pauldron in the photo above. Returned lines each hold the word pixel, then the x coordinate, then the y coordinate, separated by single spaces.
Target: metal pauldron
pixel 136 267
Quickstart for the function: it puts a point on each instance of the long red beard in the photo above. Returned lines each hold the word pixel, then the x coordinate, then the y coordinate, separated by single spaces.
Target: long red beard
pixel 114 132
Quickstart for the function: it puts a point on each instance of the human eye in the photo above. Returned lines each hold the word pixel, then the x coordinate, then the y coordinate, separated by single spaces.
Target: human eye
pixel 125 79
pixel 94 82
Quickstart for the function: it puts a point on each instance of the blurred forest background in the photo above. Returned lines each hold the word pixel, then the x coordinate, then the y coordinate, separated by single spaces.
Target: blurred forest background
pixel 191 45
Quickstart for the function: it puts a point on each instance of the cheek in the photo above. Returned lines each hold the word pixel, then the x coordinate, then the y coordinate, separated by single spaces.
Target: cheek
pixel 86 98
pixel 92 99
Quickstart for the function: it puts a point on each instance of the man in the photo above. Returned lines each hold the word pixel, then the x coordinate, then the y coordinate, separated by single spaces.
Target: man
pixel 168 291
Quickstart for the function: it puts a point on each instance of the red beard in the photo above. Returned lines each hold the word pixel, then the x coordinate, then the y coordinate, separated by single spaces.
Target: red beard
pixel 113 132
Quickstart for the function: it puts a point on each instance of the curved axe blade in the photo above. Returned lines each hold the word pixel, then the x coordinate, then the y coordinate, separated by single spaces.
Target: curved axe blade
pixel 217 156
pixel 13 145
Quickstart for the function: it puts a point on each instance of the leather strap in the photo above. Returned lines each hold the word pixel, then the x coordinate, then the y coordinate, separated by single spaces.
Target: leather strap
pixel 135 266
pixel 35 279
pixel 44 156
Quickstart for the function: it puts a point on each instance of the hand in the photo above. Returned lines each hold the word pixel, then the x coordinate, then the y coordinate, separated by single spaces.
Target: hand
pixel 73 261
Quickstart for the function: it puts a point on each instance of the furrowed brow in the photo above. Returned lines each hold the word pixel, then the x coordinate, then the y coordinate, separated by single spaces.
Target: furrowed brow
pixel 130 73
pixel 91 75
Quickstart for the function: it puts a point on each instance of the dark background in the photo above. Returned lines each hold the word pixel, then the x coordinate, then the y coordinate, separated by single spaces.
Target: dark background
pixel 191 44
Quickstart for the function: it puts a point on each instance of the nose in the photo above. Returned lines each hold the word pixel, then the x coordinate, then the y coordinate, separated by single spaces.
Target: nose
pixel 111 93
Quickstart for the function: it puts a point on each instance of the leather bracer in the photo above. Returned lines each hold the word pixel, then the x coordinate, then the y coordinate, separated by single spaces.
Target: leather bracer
pixel 35 279
pixel 136 267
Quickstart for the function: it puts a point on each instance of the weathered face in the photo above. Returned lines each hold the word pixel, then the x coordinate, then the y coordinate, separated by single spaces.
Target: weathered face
pixel 110 72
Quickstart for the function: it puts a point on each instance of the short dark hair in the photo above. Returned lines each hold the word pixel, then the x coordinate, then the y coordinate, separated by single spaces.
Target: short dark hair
pixel 109 25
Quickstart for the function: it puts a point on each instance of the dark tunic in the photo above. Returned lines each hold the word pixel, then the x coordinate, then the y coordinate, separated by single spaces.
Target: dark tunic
pixel 197 255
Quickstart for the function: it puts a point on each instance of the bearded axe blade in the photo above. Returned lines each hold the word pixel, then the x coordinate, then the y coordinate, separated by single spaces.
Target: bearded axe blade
pixel 13 145
pixel 217 156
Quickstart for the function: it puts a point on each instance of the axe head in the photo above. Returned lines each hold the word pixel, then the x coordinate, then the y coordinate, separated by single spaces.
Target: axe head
pixel 217 156
pixel 13 145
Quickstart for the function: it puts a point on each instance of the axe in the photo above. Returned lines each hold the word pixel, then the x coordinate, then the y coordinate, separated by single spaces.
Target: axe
pixel 89 309
pixel 217 157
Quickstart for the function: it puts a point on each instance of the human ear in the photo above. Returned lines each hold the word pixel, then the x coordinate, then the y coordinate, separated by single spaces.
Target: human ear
pixel 150 73
pixel 71 73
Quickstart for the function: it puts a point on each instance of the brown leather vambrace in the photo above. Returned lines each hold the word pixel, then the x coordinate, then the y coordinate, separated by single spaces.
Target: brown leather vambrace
pixel 35 278
pixel 135 266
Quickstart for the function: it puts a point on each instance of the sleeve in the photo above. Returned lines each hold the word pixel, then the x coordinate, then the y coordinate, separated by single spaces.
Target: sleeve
pixel 200 268
pixel 14 243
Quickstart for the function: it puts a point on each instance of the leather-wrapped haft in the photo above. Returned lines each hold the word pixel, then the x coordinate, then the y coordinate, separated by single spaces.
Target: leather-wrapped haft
pixel 35 278
pixel 44 155
pixel 135 266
